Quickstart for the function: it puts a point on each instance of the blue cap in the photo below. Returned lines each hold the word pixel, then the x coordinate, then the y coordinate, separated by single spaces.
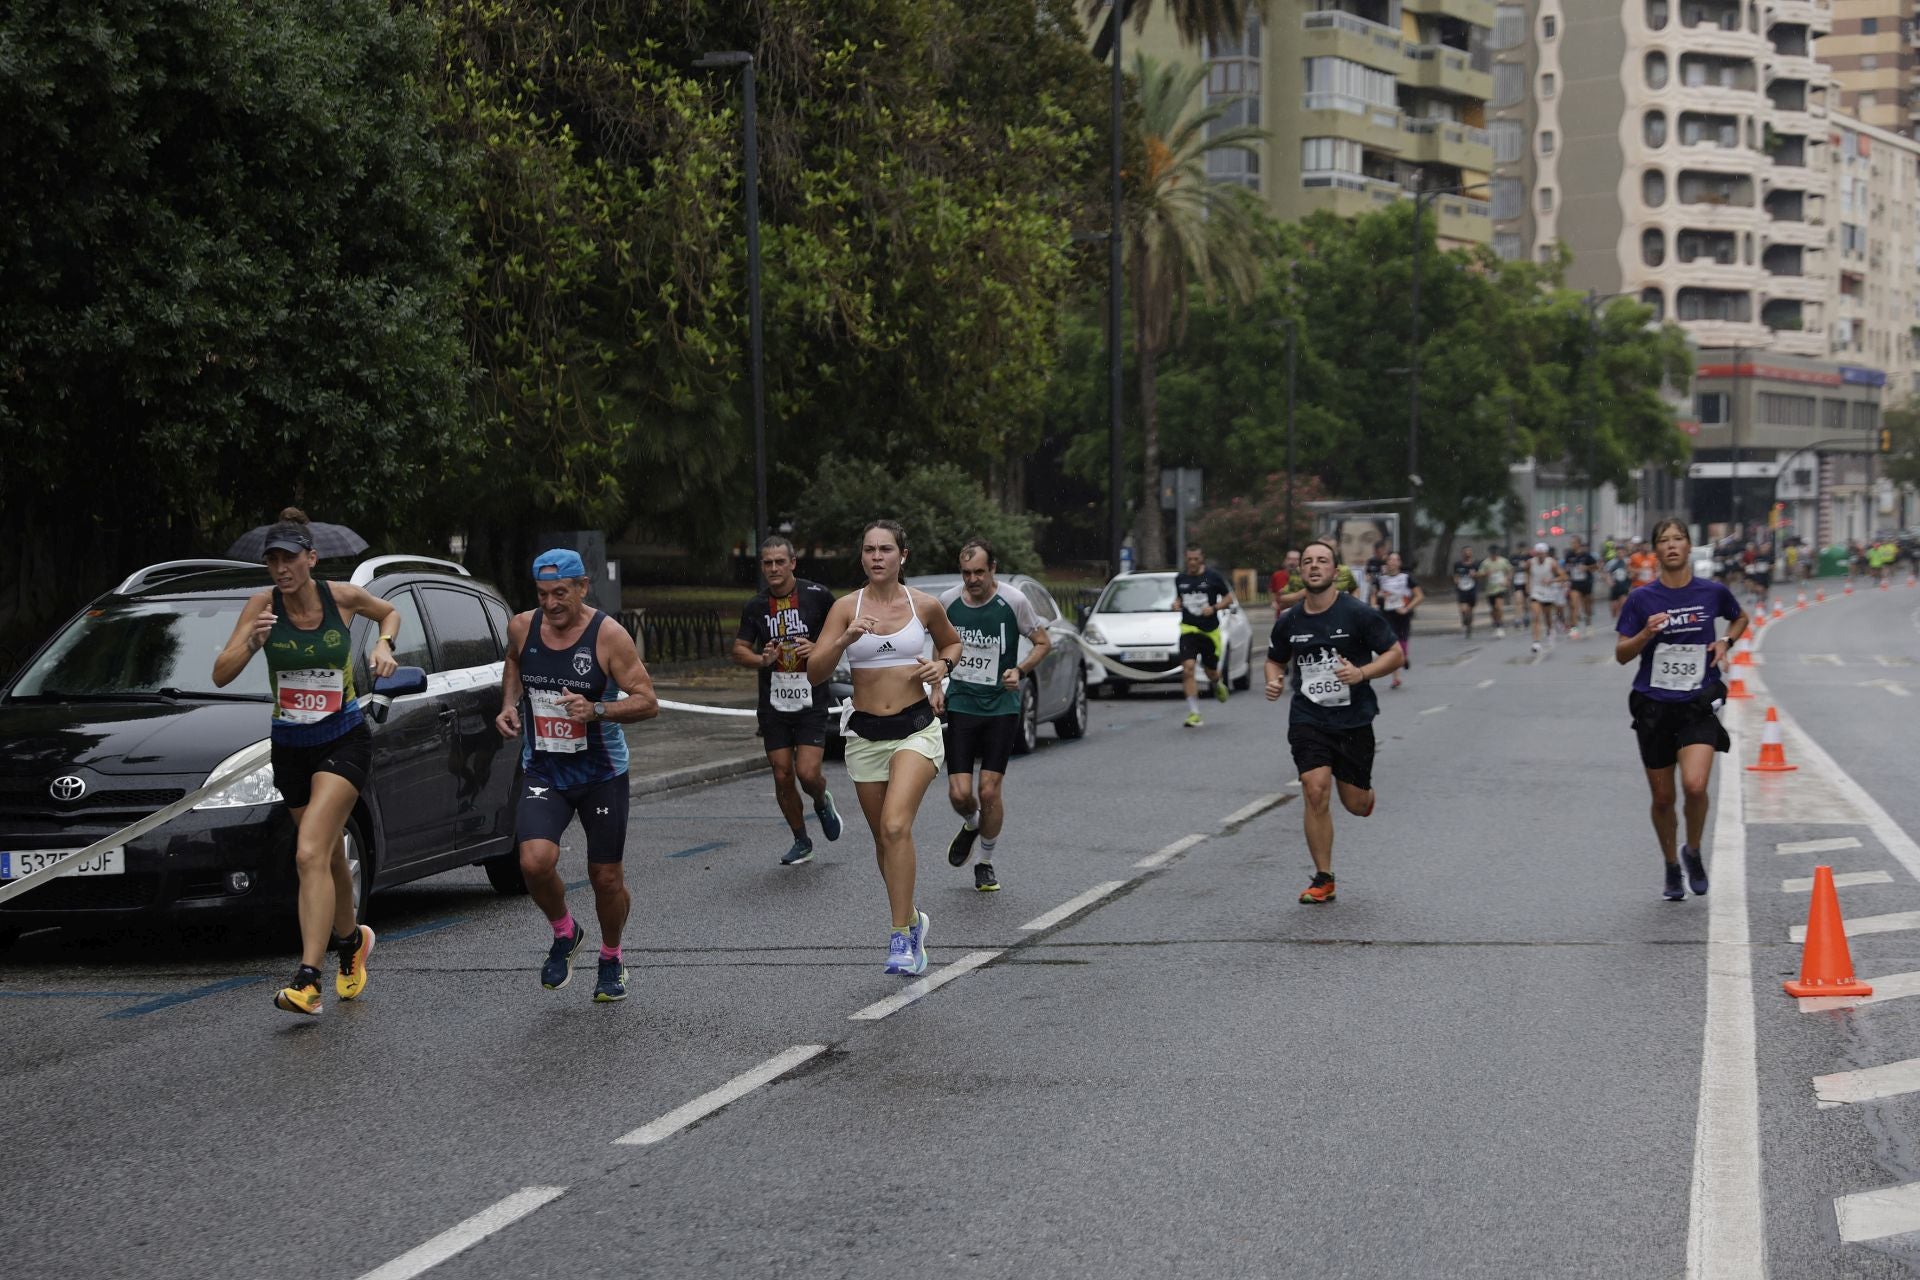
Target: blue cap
pixel 552 566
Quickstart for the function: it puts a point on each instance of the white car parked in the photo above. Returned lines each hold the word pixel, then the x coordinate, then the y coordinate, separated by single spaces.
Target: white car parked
pixel 1136 624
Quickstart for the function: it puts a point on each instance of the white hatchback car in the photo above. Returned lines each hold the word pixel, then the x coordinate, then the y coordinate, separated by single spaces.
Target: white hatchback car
pixel 1136 624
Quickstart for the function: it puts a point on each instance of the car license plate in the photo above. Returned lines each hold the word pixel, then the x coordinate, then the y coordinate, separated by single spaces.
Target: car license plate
pixel 1142 655
pixel 108 862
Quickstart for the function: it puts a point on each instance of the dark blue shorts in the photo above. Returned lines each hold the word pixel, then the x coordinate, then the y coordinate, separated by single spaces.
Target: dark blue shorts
pixel 601 807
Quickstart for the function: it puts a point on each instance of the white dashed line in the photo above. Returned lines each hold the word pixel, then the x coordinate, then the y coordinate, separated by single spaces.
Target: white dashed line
pixel 1434 711
pixel 1072 905
pixel 1248 813
pixel 1173 850
pixel 1874 1215
pixel 1804 884
pixel 455 1239
pixel 1868 1084
pixel 1833 845
pixel 914 990
pixel 707 1103
pixel 1891 986
pixel 1484 684
pixel 1892 838
pixel 1893 922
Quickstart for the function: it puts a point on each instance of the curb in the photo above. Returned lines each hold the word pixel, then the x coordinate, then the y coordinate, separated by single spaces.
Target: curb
pixel 694 775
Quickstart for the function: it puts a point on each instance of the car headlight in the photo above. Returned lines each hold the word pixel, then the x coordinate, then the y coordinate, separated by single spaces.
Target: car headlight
pixel 1093 634
pixel 843 674
pixel 253 788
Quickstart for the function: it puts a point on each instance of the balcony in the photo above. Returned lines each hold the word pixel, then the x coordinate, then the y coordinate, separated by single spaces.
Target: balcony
pixel 1330 33
pixel 1478 13
pixel 1338 115
pixel 1460 218
pixel 1816 15
pixel 1811 235
pixel 1793 67
pixel 1803 288
pixel 1809 341
pixel 1347 194
pixel 1445 142
pixel 1444 69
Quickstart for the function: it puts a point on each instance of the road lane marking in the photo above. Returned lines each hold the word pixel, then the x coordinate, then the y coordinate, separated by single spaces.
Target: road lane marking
pixel 714 1099
pixel 1173 850
pixel 1725 1239
pixel 1893 687
pixel 1893 922
pixel 1874 1215
pixel 1071 905
pixel 1804 884
pixel 708 847
pixel 1890 834
pixel 78 995
pixel 1431 711
pixel 432 926
pixel 932 982
pixel 1247 813
pixel 182 997
pixel 1869 1083
pixel 1830 659
pixel 1833 845
pixel 1484 684
pixel 464 1236
pixel 1890 661
pixel 1890 986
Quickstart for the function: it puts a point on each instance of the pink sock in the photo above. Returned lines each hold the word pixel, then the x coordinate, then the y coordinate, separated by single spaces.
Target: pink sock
pixel 563 927
pixel 609 953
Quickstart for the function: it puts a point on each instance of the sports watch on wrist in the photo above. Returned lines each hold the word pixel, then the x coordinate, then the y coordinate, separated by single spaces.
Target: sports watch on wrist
pixel 599 711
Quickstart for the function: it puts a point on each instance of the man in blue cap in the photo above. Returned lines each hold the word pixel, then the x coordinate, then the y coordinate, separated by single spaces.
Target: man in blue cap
pixel 580 681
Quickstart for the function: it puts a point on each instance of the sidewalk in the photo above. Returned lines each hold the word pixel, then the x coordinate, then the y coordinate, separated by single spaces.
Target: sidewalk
pixel 682 748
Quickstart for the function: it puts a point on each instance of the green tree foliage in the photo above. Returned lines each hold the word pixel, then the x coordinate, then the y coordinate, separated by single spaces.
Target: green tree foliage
pixel 1252 531
pixel 229 265
pixel 938 503
pixel 1902 464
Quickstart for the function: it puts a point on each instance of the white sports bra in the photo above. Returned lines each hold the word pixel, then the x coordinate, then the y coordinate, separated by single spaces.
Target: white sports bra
pixel 899 649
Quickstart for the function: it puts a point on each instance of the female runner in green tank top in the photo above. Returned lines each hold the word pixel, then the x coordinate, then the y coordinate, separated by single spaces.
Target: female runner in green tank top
pixel 321 747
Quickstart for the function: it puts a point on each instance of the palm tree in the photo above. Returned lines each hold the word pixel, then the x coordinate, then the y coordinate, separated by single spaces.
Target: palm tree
pixel 1181 228
pixel 1194 18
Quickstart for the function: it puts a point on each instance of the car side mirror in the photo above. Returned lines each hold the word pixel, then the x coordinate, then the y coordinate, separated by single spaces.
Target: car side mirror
pixel 1081 613
pixel 404 682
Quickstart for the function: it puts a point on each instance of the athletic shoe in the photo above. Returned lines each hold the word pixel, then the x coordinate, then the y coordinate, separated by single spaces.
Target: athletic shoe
pixel 829 817
pixel 1573 633
pixel 1396 682
pixel 1499 633
pixel 557 972
pixel 921 927
pixel 1536 646
pixel 802 851
pixel 907 949
pixel 961 846
pixel 302 995
pixel 353 965
pixel 1220 688
pixel 1320 891
pixel 612 983
pixel 1193 720
pixel 1696 866
pixel 1675 892
pixel 983 878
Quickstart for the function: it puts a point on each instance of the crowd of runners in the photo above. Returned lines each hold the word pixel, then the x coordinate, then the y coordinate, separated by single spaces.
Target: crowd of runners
pixel 935 683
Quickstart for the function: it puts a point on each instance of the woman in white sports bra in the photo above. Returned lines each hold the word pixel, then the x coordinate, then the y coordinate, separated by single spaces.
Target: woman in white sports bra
pixel 894 745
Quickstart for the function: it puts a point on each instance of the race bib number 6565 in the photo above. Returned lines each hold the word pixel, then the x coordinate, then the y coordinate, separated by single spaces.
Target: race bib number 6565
pixel 1322 687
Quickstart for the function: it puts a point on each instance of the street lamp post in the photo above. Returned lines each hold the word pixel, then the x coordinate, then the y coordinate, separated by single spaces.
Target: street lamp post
pixel 756 343
pixel 1293 336
pixel 1117 20
pixel 1733 443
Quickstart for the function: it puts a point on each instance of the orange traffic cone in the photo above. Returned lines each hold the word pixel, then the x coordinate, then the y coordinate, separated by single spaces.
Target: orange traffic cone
pixel 1773 756
pixel 1826 967
pixel 1849 590
pixel 1912 581
pixel 1759 619
pixel 1819 595
pixel 1779 611
pixel 1742 653
pixel 1737 687
pixel 1883 584
pixel 1801 603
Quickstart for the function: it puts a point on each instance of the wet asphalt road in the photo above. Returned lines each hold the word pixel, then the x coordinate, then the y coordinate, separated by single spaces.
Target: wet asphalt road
pixel 1483 1061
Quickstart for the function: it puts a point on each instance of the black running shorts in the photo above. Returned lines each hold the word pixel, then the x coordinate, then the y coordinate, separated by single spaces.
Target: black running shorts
pixel 1202 647
pixel 350 756
pixel 782 730
pixel 983 740
pixel 545 812
pixel 1348 752
pixel 1665 727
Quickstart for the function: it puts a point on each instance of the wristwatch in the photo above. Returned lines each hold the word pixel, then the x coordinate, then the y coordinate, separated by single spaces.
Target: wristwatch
pixel 948 661
pixel 599 710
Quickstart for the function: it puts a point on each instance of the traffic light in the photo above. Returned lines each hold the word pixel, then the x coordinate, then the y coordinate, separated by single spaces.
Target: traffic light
pixel 1886 439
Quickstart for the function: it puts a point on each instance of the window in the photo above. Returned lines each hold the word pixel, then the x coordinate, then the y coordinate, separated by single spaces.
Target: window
pixel 1355 86
pixel 1869 26
pixel 1833 415
pixel 462 635
pixel 1781 410
pixel 1866 417
pixel 1546 199
pixel 1546 84
pixel 1653 246
pixel 1549 26
pixel 1710 407
pixel 1653 188
pixel 1509 140
pixel 1657 300
pixel 1337 154
pixel 1509 26
pixel 1546 142
pixel 1656 15
pixel 498 615
pixel 1042 602
pixel 1509 83
pixel 1869 62
pixel 1653 129
pixel 1656 71
pixel 1506 244
pixel 1509 199
pixel 1868 101
pixel 410 650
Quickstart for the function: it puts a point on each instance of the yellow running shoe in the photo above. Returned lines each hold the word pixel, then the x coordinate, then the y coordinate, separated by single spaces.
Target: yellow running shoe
pixel 302 995
pixel 352 979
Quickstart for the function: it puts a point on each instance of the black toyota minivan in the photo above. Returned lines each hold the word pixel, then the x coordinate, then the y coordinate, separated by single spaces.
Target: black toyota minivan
pixel 116 716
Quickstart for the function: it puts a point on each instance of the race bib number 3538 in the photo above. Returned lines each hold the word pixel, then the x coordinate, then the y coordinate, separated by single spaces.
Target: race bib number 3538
pixel 1679 668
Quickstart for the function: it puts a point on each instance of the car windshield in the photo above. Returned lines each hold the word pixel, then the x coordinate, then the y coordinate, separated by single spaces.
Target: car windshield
pixel 1137 595
pixel 152 647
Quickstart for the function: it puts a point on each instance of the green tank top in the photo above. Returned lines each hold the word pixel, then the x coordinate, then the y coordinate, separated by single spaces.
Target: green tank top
pixel 311 673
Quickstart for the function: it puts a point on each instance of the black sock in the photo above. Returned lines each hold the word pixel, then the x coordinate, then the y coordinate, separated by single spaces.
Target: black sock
pixel 306 971
pixel 1323 877
pixel 348 944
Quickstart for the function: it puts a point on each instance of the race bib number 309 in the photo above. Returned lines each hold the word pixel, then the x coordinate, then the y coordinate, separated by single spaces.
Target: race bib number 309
pixel 308 697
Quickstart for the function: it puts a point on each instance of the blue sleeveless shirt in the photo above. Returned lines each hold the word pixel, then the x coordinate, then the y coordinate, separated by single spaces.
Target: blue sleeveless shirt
pixel 554 749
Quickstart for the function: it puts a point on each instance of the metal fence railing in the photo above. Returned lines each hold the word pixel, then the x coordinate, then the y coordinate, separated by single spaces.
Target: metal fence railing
pixel 679 635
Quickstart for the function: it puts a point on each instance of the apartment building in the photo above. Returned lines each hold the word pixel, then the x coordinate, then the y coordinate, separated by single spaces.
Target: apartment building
pixel 1870 50
pixel 1365 100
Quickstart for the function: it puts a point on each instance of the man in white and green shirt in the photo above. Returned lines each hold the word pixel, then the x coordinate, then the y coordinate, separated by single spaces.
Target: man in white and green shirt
pixel 983 700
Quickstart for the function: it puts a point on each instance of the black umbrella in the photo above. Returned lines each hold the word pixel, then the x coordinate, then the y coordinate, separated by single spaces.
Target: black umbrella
pixel 328 540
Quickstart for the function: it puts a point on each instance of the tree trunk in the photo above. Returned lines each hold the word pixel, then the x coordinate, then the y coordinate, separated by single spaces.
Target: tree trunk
pixel 1442 549
pixel 1152 526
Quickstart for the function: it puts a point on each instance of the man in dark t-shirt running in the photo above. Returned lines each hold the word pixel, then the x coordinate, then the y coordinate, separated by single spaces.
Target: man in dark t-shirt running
pixel 1338 646
pixel 777 631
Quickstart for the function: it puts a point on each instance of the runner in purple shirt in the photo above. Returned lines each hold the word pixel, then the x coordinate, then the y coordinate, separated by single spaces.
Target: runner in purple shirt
pixel 1670 625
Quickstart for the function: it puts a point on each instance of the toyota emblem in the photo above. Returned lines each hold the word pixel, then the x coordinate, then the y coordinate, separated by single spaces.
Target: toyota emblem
pixel 68 787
